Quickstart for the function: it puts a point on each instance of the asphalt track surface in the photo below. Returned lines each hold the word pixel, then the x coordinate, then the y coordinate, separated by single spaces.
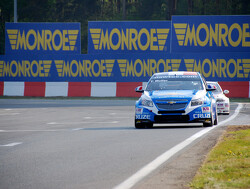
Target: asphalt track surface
pixel 88 144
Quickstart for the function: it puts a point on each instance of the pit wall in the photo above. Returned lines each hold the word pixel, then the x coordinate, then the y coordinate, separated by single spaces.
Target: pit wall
pixel 96 89
pixel 43 59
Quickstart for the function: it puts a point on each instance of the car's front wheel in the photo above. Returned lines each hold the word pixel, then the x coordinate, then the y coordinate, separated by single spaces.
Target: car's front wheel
pixel 143 125
pixel 138 125
pixel 210 123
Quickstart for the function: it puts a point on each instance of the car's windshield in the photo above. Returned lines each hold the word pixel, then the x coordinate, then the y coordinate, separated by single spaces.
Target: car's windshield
pixel 175 83
pixel 218 89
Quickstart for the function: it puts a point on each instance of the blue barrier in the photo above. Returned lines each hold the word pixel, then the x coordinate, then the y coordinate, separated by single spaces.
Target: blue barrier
pixel 122 67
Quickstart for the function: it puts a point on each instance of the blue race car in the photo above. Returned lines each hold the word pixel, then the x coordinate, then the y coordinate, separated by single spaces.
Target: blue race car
pixel 175 97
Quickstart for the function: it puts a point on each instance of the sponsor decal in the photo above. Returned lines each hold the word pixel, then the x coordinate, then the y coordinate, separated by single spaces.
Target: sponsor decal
pixel 85 68
pixel 171 102
pixel 71 68
pixel 231 68
pixel 196 116
pixel 172 94
pixel 47 40
pixel 142 116
pixel 147 67
pixel 138 110
pixel 218 34
pixel 205 109
pixel 175 76
pixel 197 112
pixel 104 68
pixel 25 68
pixel 129 39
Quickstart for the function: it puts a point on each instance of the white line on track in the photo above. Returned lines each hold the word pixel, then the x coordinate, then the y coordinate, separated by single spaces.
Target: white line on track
pixel 30 130
pixel 11 144
pixel 120 117
pixel 52 123
pixel 9 114
pixel 80 122
pixel 149 168
pixel 77 129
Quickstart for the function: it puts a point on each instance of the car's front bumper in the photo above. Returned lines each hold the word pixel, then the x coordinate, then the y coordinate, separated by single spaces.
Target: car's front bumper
pixel 223 107
pixel 199 114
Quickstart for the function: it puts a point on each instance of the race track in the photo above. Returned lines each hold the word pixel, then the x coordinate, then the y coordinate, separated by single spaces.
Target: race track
pixel 63 144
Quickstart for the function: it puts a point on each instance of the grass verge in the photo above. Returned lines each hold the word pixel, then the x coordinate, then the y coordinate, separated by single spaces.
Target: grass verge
pixel 228 164
pixel 239 99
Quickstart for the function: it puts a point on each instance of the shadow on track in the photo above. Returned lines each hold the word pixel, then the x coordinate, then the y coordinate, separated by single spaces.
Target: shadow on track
pixel 133 128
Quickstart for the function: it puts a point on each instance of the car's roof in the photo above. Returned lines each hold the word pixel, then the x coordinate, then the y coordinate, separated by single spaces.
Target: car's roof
pixel 176 73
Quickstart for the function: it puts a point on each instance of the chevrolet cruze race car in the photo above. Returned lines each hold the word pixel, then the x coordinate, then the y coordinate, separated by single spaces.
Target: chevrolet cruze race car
pixel 175 97
pixel 223 103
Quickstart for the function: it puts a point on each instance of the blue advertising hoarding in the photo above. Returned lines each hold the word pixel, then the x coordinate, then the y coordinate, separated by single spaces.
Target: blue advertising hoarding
pixel 128 51
pixel 129 37
pixel 210 34
pixel 42 38
pixel 122 67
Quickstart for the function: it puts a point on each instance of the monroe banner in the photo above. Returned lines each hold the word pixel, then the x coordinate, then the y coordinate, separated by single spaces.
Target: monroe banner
pixel 122 67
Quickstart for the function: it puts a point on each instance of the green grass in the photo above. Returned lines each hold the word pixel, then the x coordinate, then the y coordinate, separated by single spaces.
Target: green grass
pixel 239 99
pixel 228 164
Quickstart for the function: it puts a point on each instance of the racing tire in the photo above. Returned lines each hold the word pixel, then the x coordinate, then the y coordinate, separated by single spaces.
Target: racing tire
pixel 216 119
pixel 227 112
pixel 139 125
pixel 210 124
pixel 143 125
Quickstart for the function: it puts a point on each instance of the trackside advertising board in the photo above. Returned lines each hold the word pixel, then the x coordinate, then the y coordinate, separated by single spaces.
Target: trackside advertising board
pixel 210 34
pixel 42 38
pixel 122 67
pixel 129 37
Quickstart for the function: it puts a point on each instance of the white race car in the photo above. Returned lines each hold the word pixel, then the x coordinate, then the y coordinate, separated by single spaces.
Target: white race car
pixel 223 103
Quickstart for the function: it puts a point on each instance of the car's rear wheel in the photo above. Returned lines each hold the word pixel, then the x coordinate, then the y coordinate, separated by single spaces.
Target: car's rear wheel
pixel 216 118
pixel 227 113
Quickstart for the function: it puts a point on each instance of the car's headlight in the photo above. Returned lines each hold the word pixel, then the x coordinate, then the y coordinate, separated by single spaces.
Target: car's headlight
pixel 145 102
pixel 196 102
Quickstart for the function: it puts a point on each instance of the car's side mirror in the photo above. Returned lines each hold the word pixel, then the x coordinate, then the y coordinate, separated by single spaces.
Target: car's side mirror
pixel 139 89
pixel 226 91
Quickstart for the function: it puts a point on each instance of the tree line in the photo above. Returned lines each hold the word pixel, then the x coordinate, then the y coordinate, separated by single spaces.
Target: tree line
pixel 111 10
